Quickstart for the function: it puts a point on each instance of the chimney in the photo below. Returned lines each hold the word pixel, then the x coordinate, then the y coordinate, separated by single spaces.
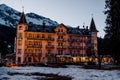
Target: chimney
pixel 78 27
pixel 43 24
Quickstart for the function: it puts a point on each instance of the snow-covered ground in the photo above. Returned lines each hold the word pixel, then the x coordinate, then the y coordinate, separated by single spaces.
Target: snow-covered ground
pixel 75 72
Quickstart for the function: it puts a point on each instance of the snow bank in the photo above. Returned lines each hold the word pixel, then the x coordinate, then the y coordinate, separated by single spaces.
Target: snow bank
pixel 73 71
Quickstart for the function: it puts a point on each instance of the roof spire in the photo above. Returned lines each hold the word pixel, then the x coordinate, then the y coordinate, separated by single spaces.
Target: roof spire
pixel 22 17
pixel 92 26
pixel 92 15
pixel 22 8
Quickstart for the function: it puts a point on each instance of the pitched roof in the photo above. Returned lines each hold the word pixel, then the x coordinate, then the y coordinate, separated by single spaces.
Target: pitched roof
pixel 50 29
pixel 22 18
pixel 92 26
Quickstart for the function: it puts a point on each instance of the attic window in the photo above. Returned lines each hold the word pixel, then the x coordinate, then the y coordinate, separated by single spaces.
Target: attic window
pixel 20 27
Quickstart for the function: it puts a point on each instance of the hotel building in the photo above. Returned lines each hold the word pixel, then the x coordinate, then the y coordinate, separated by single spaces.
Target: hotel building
pixel 54 44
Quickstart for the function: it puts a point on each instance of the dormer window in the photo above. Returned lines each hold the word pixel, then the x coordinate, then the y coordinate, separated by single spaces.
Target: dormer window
pixel 20 27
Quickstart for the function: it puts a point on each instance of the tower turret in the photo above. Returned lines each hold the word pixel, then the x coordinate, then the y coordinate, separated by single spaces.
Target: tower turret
pixel 22 18
pixel 20 38
pixel 93 33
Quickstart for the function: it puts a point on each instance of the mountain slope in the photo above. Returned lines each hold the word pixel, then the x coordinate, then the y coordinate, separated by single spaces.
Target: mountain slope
pixel 10 17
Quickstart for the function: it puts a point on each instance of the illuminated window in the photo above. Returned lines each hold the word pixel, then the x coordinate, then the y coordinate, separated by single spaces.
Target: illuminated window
pixel 30 35
pixel 19 35
pixel 19 42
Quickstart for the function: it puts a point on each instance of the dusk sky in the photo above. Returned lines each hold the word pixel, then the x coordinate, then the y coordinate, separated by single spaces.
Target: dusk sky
pixel 69 12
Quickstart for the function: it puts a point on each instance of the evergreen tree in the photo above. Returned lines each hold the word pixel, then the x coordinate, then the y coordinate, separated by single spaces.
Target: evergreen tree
pixel 112 28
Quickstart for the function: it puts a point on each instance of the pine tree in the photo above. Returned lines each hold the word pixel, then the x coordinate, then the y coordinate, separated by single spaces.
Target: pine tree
pixel 112 28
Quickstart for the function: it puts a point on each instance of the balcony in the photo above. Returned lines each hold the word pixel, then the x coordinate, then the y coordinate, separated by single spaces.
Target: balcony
pixel 30 46
pixel 61 47
pixel 29 38
pixel 51 39
pixel 70 40
pixel 38 54
pixel 61 33
pixel 39 38
pixel 34 46
pixel 49 54
pixel 72 47
pixel 61 40
pixel 32 54
pixel 49 46
pixel 29 54
pixel 33 38
pixel 63 55
pixel 37 46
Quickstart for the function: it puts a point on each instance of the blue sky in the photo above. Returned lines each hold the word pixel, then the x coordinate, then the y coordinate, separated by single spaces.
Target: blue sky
pixel 69 12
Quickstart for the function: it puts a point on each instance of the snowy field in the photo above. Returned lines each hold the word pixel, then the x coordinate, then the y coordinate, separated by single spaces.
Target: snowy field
pixel 75 72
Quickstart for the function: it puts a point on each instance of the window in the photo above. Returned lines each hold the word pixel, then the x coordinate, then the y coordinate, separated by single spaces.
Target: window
pixel 60 44
pixel 19 59
pixel 19 35
pixel 78 51
pixel 20 27
pixel 60 37
pixel 49 36
pixel 29 59
pixel 38 36
pixel 61 30
pixel 58 30
pixel 60 52
pixel 19 42
pixel 40 51
pixel 19 51
pixel 30 35
pixel 43 36
pixel 49 51
pixel 49 43
pixel 70 51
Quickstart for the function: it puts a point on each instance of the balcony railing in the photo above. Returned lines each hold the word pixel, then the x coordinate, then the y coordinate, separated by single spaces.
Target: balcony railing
pixel 61 32
pixel 61 47
pixel 63 40
pixel 72 47
pixel 39 38
pixel 37 46
pixel 71 40
pixel 34 46
pixel 50 54
pixel 76 40
pixel 32 54
pixel 49 46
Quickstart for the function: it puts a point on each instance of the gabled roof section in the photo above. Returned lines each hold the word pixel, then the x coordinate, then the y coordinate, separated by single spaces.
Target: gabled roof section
pixel 22 18
pixel 92 26
pixel 60 25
